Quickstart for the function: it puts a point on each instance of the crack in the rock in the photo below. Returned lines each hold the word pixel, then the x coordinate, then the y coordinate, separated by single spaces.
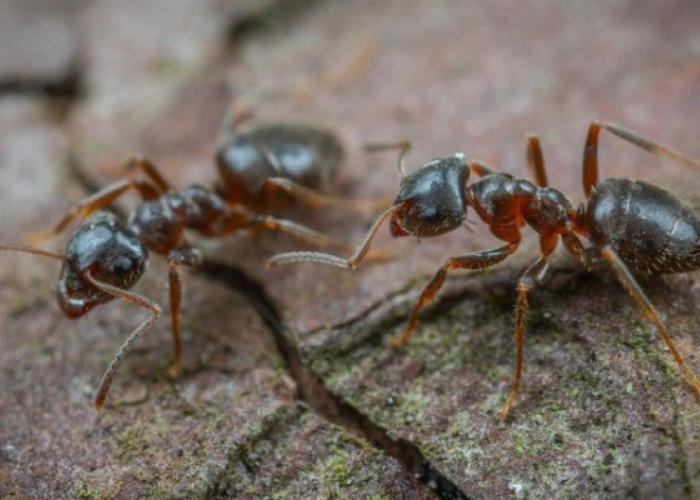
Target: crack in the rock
pixel 327 404
pixel 65 89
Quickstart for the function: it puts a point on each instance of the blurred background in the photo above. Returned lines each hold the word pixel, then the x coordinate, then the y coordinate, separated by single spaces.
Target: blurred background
pixel 91 83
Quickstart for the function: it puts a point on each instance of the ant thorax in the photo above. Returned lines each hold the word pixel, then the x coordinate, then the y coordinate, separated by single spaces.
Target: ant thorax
pixel 502 199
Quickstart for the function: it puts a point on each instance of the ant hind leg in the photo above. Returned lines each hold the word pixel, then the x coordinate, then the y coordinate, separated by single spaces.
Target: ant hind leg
pixel 590 152
pixel 630 284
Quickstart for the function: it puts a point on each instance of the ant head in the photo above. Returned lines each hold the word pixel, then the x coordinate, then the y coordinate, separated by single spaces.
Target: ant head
pixel 431 201
pixel 106 251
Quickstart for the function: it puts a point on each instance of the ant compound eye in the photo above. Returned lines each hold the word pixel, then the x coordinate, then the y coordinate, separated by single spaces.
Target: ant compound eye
pixel 122 266
pixel 430 214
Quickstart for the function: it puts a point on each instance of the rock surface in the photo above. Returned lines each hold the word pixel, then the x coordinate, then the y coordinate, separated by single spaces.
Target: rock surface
pixel 604 412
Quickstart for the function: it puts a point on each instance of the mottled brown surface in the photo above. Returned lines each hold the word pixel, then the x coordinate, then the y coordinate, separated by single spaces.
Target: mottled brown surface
pixel 604 412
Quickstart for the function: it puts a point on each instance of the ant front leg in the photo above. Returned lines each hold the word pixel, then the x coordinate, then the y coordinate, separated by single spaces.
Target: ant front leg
pixel 630 284
pixel 472 261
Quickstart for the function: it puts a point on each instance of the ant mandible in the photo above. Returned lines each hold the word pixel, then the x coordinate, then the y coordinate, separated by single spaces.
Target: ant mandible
pixel 633 225
pixel 104 258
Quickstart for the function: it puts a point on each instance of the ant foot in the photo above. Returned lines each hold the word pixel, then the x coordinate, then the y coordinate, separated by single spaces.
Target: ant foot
pixel 503 412
pixel 173 372
pixel 400 339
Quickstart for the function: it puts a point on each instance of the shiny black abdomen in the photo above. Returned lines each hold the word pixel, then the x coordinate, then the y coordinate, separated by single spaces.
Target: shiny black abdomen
pixel 647 227
pixel 305 154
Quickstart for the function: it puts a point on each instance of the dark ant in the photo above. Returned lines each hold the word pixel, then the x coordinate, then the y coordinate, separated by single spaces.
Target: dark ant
pixel 104 258
pixel 631 224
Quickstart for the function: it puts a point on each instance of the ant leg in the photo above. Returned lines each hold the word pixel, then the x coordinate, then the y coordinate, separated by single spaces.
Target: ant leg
pixel 590 153
pixel 472 261
pixel 175 288
pixel 299 231
pixel 590 159
pixel 97 201
pixel 123 351
pixel 574 246
pixel 33 250
pixel 535 160
pixel 184 256
pixel 403 146
pixel 649 145
pixel 533 276
pixel 638 295
pixel 151 171
pixel 237 113
pixel 314 198
pixel 332 260
pixel 480 168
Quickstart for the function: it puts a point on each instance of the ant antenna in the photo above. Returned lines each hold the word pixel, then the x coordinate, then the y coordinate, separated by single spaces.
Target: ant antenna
pixel 32 250
pixel 333 260
pixel 403 146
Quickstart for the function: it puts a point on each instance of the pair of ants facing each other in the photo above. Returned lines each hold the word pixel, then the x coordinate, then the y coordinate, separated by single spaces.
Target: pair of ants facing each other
pixel 632 225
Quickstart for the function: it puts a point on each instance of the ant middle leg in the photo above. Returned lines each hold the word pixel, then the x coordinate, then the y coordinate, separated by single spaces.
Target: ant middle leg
pixel 590 152
pixel 532 277
pixel 472 261
pixel 629 282
pixel 183 256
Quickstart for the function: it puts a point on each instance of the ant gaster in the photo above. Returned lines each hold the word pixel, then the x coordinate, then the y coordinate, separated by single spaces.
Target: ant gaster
pixel 633 225
pixel 104 258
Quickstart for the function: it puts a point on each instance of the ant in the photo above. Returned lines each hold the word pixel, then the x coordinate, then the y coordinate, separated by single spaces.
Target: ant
pixel 633 225
pixel 104 257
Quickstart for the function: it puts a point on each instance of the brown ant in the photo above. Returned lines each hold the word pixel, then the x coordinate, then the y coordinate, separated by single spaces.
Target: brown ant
pixel 104 258
pixel 633 225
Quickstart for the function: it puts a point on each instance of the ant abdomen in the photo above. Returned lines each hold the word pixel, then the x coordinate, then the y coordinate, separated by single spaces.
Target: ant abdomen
pixel 308 155
pixel 650 229
pixel 105 250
